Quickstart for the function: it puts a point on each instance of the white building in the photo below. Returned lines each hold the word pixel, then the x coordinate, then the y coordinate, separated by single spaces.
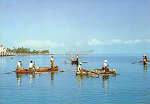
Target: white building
pixel 2 50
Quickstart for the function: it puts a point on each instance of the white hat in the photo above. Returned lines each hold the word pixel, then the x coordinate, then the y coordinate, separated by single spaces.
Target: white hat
pixel 80 63
pixel 105 60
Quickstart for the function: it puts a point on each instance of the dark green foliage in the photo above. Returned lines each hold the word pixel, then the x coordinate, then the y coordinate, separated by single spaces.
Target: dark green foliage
pixel 27 50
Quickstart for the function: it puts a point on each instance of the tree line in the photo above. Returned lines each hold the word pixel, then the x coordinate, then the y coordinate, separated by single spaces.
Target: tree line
pixel 27 50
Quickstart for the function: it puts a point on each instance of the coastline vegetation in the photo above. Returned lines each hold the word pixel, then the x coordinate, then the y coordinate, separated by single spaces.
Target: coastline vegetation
pixel 22 50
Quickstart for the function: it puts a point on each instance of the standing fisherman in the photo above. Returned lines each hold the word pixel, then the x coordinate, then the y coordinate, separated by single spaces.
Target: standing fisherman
pixel 72 59
pixel 145 59
pixel 77 59
pixel 19 65
pixel 79 67
pixel 52 62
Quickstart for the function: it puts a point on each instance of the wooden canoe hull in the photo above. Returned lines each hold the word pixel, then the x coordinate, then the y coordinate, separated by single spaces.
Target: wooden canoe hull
pixel 29 71
pixel 23 71
pixel 95 72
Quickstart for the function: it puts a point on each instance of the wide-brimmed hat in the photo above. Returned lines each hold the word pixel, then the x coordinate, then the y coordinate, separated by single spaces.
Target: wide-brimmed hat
pixel 105 60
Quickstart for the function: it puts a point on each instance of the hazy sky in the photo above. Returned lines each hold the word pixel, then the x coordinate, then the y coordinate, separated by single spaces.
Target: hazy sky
pixel 105 26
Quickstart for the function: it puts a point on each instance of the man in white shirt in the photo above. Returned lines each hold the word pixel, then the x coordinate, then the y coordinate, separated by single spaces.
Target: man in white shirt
pixel 31 65
pixel 79 67
pixel 105 66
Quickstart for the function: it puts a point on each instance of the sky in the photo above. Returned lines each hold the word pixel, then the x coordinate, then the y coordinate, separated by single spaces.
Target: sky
pixel 104 26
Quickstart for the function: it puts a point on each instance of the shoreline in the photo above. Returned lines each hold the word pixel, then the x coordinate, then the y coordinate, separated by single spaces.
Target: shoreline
pixel 23 55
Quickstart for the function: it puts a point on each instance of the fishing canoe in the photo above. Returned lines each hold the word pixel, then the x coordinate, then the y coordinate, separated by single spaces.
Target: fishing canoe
pixel 38 69
pixel 96 72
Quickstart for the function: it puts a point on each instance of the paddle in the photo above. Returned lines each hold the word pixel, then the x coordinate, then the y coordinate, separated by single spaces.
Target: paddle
pixel 148 60
pixel 84 61
pixel 136 62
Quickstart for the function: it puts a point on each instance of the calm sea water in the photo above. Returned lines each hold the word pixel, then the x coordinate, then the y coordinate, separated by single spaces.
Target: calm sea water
pixel 132 86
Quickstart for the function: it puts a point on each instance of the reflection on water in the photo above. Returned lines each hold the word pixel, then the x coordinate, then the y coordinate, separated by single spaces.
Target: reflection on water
pixel 58 88
pixel 32 76
pixel 52 77
pixel 80 78
pixel 2 60
pixel 145 68
pixel 19 79
pixel 105 80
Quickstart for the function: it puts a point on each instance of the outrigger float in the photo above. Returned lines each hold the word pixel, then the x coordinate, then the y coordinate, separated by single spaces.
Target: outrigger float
pixel 37 70
pixel 96 72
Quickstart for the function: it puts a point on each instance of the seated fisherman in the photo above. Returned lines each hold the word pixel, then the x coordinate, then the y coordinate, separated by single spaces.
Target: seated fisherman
pixel 105 66
pixel 52 62
pixel 31 65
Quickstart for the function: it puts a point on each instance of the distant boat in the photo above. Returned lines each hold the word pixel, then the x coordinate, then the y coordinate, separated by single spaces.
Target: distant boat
pixel 76 62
